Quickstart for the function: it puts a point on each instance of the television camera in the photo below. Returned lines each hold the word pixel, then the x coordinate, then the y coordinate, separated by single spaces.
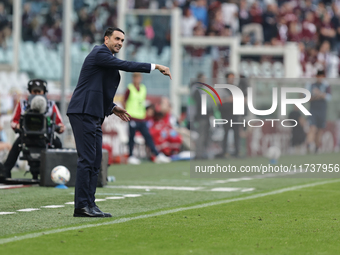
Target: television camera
pixel 36 131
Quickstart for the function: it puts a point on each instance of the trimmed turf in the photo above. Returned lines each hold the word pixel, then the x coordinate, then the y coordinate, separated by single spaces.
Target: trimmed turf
pixel 305 221
pixel 232 225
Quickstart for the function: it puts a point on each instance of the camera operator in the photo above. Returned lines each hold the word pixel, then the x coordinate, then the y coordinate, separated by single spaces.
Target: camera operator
pixel 35 87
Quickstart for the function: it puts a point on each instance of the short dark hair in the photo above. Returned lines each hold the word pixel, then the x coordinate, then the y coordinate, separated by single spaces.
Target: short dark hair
pixel 136 74
pixel 320 73
pixel 110 30
pixel 200 75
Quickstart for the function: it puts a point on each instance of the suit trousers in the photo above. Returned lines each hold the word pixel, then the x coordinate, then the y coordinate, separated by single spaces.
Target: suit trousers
pixel 88 134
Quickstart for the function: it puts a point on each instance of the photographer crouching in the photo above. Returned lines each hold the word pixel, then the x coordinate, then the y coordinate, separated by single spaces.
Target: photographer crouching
pixel 36 102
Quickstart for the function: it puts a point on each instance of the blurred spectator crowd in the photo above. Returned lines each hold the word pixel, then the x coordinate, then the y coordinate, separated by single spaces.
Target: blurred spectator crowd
pixel 314 24
pixel 42 21
pixel 89 20
pixel 6 10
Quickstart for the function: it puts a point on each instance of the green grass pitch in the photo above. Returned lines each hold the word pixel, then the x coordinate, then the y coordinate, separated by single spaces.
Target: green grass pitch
pixel 176 214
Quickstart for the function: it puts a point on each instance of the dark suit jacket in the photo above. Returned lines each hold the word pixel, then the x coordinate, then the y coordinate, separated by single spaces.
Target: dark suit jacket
pixel 98 82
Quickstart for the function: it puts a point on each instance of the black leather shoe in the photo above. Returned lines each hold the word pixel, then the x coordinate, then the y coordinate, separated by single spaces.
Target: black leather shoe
pixel 7 172
pixel 2 173
pixel 96 209
pixel 86 212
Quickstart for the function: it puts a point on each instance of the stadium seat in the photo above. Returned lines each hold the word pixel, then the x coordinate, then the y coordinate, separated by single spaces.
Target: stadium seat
pixel 8 56
pixel 23 78
pixel 2 55
pixel 24 63
pixel 40 49
pixel 29 48
pixel 38 70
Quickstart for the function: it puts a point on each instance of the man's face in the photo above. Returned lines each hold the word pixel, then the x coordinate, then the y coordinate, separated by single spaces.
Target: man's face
pixel 115 41
pixel 37 92
pixel 137 78
pixel 230 79
pixel 319 78
pixel 201 79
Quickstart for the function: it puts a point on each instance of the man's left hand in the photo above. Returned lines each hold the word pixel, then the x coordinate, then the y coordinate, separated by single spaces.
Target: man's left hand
pixel 121 113
pixel 61 128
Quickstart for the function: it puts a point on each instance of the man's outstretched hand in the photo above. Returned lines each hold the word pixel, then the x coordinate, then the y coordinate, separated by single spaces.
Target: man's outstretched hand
pixel 164 70
pixel 121 113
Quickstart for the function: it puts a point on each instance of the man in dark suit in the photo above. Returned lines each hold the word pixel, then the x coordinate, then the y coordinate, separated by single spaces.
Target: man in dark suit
pixel 92 100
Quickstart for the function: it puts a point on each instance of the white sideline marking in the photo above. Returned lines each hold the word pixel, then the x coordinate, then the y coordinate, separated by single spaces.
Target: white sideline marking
pixel 247 190
pixel 234 180
pixel 69 203
pixel 259 176
pixel 10 186
pixel 4 213
pixel 225 189
pixel 155 187
pixel 28 210
pixel 121 220
pixel 132 195
pixel 99 200
pixel 52 206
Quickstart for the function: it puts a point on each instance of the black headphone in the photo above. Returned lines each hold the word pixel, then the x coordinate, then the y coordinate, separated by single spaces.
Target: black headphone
pixel 37 83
